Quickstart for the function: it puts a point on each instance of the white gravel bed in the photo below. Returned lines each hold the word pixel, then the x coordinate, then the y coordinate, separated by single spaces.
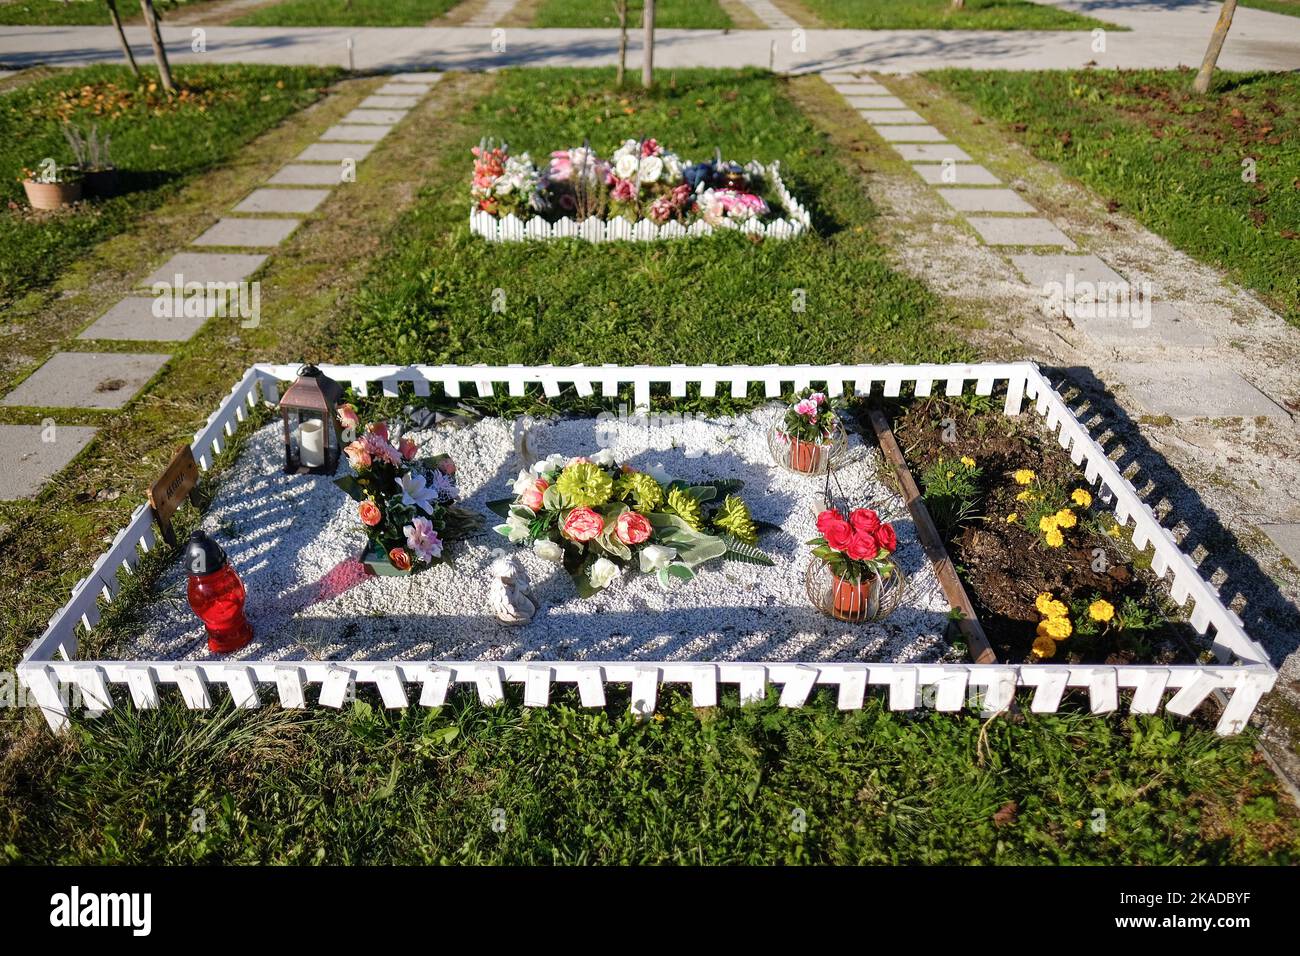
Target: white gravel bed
pixel 294 540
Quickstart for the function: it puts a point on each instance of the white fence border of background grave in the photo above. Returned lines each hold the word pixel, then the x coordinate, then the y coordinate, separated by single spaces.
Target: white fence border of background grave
pixel 510 228
pixel 1242 673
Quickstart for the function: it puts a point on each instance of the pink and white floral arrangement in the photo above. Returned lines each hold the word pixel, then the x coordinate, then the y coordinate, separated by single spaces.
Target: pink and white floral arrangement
pixel 640 179
pixel 405 502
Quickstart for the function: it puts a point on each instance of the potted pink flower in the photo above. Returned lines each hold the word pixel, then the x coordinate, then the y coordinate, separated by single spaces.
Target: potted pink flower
pixel 805 437
pixel 857 550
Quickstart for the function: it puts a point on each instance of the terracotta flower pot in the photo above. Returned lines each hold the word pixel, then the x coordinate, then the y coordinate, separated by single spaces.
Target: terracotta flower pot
pixel 855 600
pixel 52 195
pixel 806 456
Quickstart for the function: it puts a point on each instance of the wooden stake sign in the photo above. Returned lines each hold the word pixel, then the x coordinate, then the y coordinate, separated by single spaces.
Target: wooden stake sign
pixel 174 485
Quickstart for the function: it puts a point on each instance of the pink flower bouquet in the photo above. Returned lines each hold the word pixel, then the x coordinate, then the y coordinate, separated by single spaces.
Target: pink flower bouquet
pixel 405 503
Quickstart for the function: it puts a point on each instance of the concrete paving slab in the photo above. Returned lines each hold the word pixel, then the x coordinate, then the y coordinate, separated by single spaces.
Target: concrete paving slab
pixel 882 102
pixel 1189 390
pixel 1287 539
pixel 206 267
pixel 403 89
pixel 890 117
pixel 133 319
pixel 86 380
pixel 1068 271
pixel 283 200
pixel 353 133
pixel 33 453
pixel 977 199
pixel 378 102
pixel 956 174
pixel 307 174
pixel 1019 231
pixel 931 152
pixel 417 76
pixel 250 233
pixel 1128 320
pixel 859 88
pixel 334 152
pixel 375 117
pixel 910 134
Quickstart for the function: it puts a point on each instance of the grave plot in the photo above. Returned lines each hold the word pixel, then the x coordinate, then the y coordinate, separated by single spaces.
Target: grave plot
pixel 322 627
pixel 641 192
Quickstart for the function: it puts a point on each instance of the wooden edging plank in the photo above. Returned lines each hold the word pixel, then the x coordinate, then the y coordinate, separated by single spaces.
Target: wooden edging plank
pixel 980 650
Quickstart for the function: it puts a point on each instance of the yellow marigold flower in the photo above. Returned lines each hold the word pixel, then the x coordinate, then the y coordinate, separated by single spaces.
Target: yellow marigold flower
pixel 1048 606
pixel 1101 610
pixel 1044 647
pixel 1026 496
pixel 1054 538
pixel 1011 518
pixel 1024 476
pixel 1057 628
pixel 1065 518
pixel 968 461
pixel 1114 531
pixel 1081 498
pixel 1048 523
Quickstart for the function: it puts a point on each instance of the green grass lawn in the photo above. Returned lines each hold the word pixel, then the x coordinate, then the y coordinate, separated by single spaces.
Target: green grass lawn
pixel 158 142
pixel 939 15
pixel 669 14
pixel 1170 158
pixel 1291 7
pixel 345 13
pixel 80 12
pixel 730 784
pixel 753 784
pixel 728 299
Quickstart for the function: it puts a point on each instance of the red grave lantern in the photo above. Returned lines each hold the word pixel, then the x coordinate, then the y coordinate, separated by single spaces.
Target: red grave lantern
pixel 216 594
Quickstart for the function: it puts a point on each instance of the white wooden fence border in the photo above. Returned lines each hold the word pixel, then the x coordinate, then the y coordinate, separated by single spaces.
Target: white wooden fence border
pixel 510 228
pixel 50 664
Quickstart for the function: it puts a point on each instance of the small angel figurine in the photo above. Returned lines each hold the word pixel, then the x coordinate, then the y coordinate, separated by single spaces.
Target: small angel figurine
pixel 510 594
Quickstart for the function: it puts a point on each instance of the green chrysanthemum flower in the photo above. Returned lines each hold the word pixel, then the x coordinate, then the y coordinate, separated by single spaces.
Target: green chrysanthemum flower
pixel 647 493
pixel 734 517
pixel 687 507
pixel 584 485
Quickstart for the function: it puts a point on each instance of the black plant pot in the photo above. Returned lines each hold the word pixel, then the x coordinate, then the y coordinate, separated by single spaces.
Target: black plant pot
pixel 99 183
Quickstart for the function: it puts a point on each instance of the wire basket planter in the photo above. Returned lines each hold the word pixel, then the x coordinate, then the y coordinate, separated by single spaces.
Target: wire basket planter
pixel 871 599
pixel 806 457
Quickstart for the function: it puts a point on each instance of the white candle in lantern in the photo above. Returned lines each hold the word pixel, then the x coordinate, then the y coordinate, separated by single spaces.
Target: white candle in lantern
pixel 311 444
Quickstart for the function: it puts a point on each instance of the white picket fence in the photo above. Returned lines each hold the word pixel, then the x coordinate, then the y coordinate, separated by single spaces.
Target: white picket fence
pixel 510 228
pixel 1242 674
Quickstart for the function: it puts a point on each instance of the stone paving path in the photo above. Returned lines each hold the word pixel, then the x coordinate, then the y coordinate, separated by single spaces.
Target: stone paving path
pixel 241 241
pixel 493 12
pixel 1098 299
pixel 773 17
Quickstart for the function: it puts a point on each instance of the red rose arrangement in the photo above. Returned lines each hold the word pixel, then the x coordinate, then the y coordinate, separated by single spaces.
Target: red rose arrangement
pixel 855 545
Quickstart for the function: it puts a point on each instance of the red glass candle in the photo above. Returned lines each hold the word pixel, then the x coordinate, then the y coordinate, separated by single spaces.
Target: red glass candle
pixel 216 595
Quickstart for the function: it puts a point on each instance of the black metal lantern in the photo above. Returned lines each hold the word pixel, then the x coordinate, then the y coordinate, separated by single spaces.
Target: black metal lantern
pixel 311 427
